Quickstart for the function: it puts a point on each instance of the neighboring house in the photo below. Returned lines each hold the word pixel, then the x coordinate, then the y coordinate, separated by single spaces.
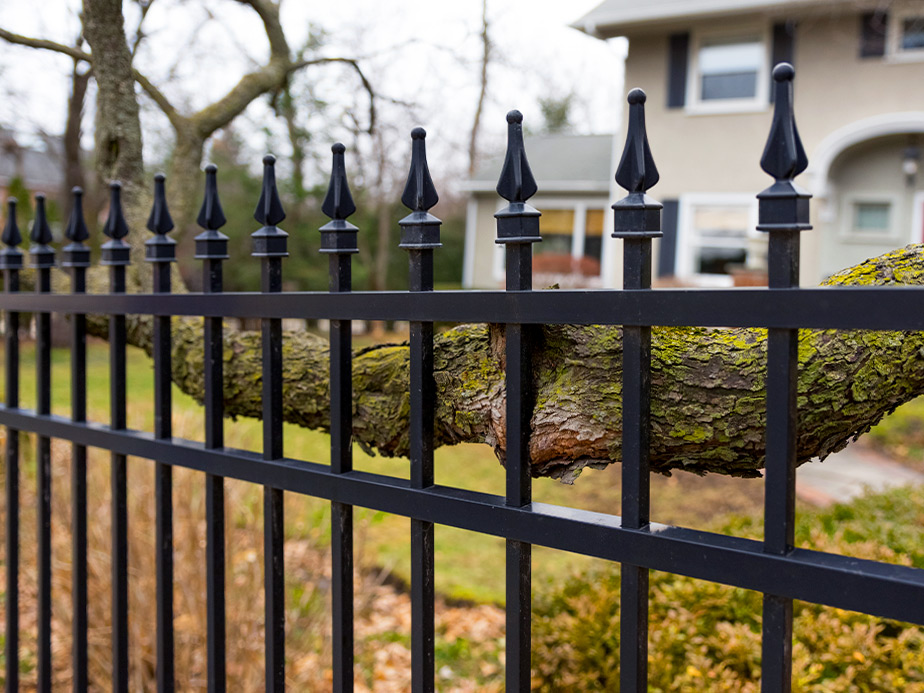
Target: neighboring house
pixel 40 168
pixel 573 174
pixel 859 99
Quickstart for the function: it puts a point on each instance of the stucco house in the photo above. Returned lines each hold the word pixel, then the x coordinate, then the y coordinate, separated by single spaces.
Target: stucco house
pixel 705 65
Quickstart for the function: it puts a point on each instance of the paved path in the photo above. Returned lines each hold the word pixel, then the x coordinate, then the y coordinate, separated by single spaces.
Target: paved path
pixel 850 473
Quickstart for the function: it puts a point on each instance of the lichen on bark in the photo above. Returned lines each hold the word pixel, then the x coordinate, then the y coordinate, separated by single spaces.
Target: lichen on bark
pixel 708 390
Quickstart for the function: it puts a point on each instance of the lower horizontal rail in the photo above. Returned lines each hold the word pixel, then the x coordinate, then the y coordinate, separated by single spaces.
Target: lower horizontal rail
pixel 880 589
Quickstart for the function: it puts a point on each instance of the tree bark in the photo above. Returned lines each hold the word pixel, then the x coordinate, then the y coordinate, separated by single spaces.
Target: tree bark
pixel 708 390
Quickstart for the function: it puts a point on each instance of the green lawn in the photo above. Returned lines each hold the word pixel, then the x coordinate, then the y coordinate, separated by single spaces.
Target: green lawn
pixel 468 565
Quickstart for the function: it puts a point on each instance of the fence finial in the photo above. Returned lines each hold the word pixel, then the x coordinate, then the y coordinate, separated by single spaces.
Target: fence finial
pixel 338 236
pixel 269 210
pixel 76 229
pixel 338 204
pixel 211 243
pixel 516 182
pixel 784 157
pixel 160 222
pixel 11 235
pixel 420 230
pixel 419 192
pixel 637 171
pixel 42 254
pixel 116 227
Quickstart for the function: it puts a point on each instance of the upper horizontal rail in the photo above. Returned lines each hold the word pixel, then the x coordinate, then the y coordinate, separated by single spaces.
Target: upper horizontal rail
pixel 818 308
pixel 879 589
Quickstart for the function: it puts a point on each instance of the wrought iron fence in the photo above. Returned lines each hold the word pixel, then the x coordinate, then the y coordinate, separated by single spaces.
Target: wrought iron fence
pixel 772 566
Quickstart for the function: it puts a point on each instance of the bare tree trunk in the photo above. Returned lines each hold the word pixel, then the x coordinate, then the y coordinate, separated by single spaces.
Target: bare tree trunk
pixel 485 60
pixel 708 389
pixel 73 166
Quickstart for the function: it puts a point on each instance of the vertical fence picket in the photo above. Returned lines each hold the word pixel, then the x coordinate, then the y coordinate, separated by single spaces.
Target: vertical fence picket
pixel 518 229
pixel 11 263
pixel 43 259
pixel 160 251
pixel 637 220
pixel 420 235
pixel 212 249
pixel 116 254
pixel 77 259
pixel 269 244
pixel 338 240
pixel 783 213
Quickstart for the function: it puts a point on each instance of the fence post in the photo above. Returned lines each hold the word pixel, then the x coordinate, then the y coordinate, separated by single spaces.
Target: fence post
pixel 160 251
pixel 43 259
pixel 77 258
pixel 518 229
pixel 10 263
pixel 420 235
pixel 637 220
pixel 783 212
pixel 338 241
pixel 117 256
pixel 270 245
pixel 212 249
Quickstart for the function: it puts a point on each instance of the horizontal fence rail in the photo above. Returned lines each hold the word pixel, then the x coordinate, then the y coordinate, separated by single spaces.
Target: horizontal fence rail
pixel 773 566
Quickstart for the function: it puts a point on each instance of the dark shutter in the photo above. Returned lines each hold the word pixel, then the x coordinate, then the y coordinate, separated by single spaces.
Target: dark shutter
pixel 873 34
pixel 678 55
pixel 783 49
pixel 667 255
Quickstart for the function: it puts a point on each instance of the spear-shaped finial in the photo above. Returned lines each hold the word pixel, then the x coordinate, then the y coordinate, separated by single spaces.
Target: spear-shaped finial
pixel 116 227
pixel 419 193
pixel 41 231
pixel 211 244
pixel 516 182
pixel 211 215
pixel 269 210
pixel 76 254
pixel 160 222
pixel 338 236
pixel 338 204
pixel 637 171
pixel 76 229
pixel 420 230
pixel 784 157
pixel 11 235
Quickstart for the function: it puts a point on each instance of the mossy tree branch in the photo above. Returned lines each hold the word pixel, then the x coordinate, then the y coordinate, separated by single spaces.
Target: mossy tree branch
pixel 708 390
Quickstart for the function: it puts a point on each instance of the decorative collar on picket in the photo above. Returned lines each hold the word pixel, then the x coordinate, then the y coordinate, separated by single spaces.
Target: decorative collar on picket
pixel 637 215
pixel 115 250
pixel 211 244
pixel 420 230
pixel 76 253
pixel 11 256
pixel 784 206
pixel 42 255
pixel 518 222
pixel 161 248
pixel 269 241
pixel 338 236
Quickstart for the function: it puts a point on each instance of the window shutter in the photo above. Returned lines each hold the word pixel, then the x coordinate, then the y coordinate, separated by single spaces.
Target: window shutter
pixel 873 34
pixel 678 54
pixel 783 49
pixel 667 254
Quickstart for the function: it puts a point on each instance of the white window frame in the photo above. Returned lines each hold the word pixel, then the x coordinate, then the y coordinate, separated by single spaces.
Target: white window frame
pixel 894 50
pixel 917 218
pixel 685 259
pixel 849 235
pixel 579 206
pixel 761 100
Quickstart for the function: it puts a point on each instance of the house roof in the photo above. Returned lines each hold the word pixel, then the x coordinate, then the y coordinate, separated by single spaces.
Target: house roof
pixel 40 170
pixel 560 163
pixel 619 17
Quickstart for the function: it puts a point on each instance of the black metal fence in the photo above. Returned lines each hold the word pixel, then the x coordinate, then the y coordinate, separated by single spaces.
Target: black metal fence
pixel 774 567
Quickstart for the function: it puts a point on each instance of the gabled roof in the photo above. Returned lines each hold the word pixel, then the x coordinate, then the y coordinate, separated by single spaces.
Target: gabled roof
pixel 618 17
pixel 560 163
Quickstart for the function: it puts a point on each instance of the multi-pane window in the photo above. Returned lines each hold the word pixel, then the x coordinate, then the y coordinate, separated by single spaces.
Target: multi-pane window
pixel 729 68
pixel 872 218
pixel 912 33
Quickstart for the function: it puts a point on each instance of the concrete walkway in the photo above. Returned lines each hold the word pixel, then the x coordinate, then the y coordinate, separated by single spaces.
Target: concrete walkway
pixel 850 473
